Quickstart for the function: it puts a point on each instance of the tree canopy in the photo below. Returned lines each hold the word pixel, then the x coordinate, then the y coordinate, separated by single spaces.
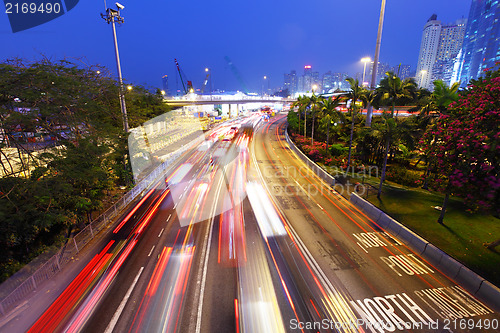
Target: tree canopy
pixel 465 145
pixel 62 147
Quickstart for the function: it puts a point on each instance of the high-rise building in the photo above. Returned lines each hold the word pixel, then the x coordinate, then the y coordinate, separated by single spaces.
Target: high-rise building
pixel 300 84
pixel 450 44
pixel 382 68
pixel 481 46
pixel 339 80
pixel 327 82
pixel 428 51
pixel 316 82
pixel 164 83
pixel 439 48
pixel 404 71
pixel 290 82
pixel 308 79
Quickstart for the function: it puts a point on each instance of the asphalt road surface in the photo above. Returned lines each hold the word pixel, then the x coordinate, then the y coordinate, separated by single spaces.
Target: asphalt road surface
pixel 242 237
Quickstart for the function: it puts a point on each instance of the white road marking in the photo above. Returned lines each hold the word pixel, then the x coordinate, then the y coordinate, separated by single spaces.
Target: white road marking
pixel 361 247
pixel 319 206
pixel 151 251
pixel 161 232
pixel 119 311
pixel 205 264
pixel 168 218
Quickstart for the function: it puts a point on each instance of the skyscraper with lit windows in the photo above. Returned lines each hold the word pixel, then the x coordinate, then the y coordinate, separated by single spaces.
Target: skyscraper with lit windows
pixel 441 43
pixel 481 46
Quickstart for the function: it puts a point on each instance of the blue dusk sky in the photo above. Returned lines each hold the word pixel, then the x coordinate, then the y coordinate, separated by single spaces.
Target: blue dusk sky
pixel 261 37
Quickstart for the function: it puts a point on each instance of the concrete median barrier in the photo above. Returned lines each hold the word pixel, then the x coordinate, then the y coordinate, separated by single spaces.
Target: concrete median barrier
pixel 451 267
pixel 414 241
pixel 433 254
pixel 468 279
pixel 489 293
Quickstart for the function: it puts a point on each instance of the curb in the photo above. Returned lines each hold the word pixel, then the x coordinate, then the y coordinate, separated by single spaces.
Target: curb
pixel 469 280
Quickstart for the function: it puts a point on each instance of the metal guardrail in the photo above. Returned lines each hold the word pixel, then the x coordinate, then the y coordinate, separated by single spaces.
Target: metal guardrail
pixel 75 244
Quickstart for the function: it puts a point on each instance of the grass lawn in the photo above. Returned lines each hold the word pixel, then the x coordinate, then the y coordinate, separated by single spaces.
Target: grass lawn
pixel 462 236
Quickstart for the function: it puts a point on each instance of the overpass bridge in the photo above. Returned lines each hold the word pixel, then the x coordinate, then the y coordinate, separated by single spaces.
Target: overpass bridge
pixel 193 99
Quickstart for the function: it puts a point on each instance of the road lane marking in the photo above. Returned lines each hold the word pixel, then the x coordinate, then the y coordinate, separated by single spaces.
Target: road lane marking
pixel 207 255
pixel 168 218
pixel 319 206
pixel 119 311
pixel 381 314
pixel 408 264
pixel 151 250
pixel 361 246
pixel 368 240
pixel 317 271
pixel 161 232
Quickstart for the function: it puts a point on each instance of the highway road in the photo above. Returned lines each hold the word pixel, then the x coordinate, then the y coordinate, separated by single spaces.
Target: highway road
pixel 242 237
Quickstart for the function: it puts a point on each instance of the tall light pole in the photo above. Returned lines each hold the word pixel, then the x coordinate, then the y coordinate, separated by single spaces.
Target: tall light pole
pixel 209 72
pixel 369 111
pixel 263 84
pixel 364 61
pixel 112 16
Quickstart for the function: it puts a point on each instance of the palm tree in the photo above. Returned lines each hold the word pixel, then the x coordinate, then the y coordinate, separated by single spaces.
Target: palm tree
pixel 306 102
pixel 443 96
pixel 437 101
pixel 393 90
pixel 329 111
pixel 356 93
pixel 315 103
pixel 299 103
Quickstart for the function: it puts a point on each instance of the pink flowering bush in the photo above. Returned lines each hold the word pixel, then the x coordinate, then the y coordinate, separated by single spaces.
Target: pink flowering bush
pixel 316 152
pixel 464 146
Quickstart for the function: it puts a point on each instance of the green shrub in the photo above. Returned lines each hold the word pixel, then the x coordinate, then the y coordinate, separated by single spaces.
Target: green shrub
pixel 338 149
pixel 403 176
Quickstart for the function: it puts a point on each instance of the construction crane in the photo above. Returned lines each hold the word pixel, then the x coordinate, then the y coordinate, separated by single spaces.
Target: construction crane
pixel 183 78
pixel 204 84
pixel 236 74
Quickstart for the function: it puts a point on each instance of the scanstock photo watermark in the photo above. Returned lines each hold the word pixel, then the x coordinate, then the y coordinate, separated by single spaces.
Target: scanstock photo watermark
pixel 25 14
pixel 343 180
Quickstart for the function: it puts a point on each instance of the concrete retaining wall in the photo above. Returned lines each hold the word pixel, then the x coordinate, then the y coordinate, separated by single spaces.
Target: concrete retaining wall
pixel 316 168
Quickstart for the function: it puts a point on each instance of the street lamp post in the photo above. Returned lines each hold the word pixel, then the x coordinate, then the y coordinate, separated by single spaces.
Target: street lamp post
pixel 209 72
pixel 263 84
pixel 364 61
pixel 369 111
pixel 112 16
